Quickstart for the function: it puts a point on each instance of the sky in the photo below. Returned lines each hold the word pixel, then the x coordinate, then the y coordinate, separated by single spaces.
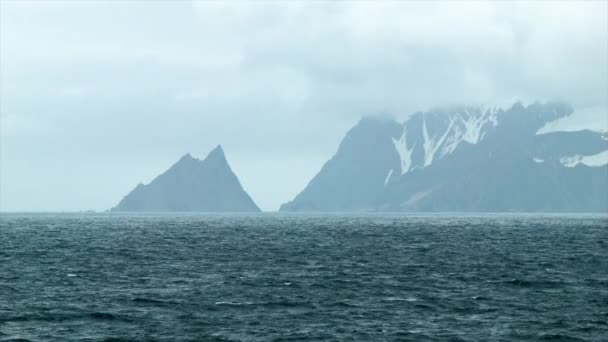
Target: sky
pixel 97 96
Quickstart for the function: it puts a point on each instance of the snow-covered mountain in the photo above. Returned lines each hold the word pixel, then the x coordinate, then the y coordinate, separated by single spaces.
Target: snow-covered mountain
pixel 207 185
pixel 431 136
pixel 464 158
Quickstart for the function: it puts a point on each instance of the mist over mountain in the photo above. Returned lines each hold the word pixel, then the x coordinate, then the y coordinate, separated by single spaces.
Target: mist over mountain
pixel 464 158
pixel 191 184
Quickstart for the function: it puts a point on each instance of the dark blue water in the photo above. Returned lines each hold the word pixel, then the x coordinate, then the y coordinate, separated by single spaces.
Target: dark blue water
pixel 303 278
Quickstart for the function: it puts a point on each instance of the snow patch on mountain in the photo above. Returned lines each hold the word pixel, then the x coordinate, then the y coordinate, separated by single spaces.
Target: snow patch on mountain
pixel 469 128
pixel 388 176
pixel 452 142
pixel 592 119
pixel 474 123
pixel 404 152
pixel 431 146
pixel 595 160
pixel 474 154
pixel 467 124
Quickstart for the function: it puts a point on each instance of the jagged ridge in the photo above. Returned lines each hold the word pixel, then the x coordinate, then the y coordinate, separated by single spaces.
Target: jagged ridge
pixel 463 159
pixel 191 184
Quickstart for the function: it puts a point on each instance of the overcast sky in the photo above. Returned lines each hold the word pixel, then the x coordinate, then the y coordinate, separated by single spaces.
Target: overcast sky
pixel 99 96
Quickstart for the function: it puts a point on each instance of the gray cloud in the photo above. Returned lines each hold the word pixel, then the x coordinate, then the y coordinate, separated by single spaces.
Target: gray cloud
pixel 98 96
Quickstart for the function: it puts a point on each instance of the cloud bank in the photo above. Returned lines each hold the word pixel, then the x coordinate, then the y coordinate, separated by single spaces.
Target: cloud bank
pixel 98 96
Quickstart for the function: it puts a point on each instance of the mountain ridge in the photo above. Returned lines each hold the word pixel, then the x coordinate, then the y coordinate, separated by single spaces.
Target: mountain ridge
pixel 191 184
pixel 465 158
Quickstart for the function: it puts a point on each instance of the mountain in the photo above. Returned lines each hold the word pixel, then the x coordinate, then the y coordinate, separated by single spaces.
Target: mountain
pixel 465 158
pixel 355 175
pixel 192 185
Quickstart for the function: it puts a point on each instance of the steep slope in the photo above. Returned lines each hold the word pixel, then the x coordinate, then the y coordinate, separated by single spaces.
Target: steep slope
pixel 431 136
pixel 474 159
pixel 513 169
pixel 192 185
pixel 355 176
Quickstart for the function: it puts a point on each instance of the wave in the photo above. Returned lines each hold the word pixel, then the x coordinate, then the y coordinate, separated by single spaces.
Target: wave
pixel 534 283
pixel 264 304
pixel 142 300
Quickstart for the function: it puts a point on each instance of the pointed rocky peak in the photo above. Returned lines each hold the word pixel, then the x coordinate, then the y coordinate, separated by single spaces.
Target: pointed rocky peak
pixel 186 162
pixel 186 158
pixel 192 185
pixel 216 156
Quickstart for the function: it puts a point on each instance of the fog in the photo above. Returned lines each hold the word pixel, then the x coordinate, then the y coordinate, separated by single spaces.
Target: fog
pixel 99 96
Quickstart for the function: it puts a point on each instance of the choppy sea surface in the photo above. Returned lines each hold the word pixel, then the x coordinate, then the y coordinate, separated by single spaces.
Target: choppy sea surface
pixel 272 277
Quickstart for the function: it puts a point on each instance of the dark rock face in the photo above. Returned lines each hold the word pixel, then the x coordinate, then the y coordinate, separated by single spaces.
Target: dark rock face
pixel 207 185
pixel 464 159
pixel 355 176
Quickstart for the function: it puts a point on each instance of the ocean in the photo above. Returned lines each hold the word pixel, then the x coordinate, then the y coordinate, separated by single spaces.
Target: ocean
pixel 289 277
